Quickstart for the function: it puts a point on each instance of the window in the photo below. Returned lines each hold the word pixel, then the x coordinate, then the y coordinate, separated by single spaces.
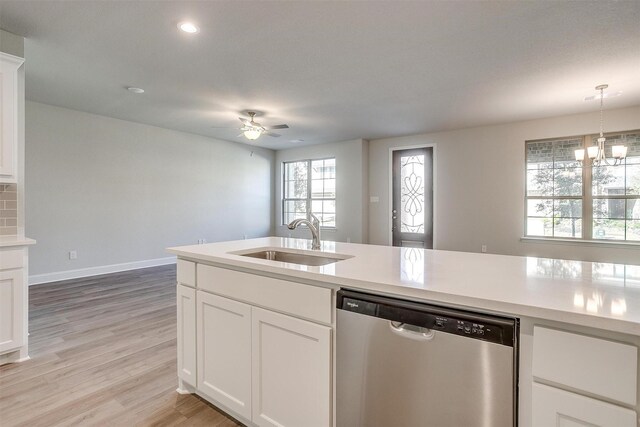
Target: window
pixel 566 200
pixel 309 185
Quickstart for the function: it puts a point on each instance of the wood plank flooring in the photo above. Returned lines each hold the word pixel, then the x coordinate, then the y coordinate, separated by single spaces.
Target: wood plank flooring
pixel 103 352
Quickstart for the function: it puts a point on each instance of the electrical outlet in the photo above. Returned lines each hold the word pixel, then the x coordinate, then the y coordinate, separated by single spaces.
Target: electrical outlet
pixel 73 254
pixel 202 241
pixel 484 249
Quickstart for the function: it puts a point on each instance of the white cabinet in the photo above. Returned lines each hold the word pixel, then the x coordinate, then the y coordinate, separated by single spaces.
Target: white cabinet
pixel 12 310
pixel 186 305
pixel 9 117
pixel 224 351
pixel 256 354
pixel 291 361
pixel 577 380
pixel 553 407
pixel 13 304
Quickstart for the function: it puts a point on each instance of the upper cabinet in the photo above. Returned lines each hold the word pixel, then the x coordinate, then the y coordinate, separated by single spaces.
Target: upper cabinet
pixel 10 117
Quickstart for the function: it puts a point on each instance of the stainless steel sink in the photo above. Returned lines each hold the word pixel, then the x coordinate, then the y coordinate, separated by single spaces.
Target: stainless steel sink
pixel 295 258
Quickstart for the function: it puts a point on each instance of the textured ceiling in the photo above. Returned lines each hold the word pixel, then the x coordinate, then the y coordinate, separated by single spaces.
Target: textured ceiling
pixel 331 70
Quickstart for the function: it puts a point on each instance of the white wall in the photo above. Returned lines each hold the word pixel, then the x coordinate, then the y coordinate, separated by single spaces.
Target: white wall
pixel 351 186
pixel 479 186
pixel 119 192
pixel 11 44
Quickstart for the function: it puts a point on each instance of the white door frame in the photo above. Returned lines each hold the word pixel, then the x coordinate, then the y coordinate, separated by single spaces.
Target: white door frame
pixel 435 186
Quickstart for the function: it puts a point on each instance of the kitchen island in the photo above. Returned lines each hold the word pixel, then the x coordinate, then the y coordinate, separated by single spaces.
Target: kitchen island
pixel 579 325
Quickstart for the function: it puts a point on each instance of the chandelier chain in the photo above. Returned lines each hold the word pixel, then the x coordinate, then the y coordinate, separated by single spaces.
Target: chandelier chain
pixel 601 113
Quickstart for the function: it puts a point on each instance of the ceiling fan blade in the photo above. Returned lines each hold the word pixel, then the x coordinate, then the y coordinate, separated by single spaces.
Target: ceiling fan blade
pixel 245 121
pixel 275 135
pixel 223 127
pixel 238 136
pixel 277 127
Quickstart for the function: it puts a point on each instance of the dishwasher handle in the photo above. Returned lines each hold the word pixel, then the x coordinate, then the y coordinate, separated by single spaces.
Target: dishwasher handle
pixel 417 333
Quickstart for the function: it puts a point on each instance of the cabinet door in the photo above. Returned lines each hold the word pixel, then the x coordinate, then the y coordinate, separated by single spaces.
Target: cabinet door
pixel 291 371
pixel 12 300
pixel 224 351
pixel 186 301
pixel 555 407
pixel 9 115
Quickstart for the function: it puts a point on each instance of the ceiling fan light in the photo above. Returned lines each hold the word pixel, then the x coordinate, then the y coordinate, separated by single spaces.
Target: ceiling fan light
pixel 189 27
pixel 252 134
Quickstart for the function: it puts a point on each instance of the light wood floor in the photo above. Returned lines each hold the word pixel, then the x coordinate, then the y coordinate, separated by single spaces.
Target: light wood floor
pixel 103 352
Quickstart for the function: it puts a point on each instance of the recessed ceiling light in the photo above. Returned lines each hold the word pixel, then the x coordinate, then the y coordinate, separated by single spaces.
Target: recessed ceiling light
pixel 135 90
pixel 605 95
pixel 188 27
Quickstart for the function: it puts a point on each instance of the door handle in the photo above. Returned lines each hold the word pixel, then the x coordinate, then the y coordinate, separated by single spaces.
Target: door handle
pixel 412 332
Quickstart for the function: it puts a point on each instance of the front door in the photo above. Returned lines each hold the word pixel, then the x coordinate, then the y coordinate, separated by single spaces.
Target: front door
pixel 412 207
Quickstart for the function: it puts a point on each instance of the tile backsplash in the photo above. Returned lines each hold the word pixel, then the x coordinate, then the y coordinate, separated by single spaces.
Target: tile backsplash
pixel 8 209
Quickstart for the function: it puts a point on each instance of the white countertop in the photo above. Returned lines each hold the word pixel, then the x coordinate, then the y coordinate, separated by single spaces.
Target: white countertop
pixel 599 295
pixel 6 241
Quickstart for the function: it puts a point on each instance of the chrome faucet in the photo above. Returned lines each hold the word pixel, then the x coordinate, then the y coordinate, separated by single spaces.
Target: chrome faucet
pixel 314 225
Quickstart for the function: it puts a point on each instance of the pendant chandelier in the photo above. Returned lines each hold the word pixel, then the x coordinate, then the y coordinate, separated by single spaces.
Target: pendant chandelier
pixel 596 153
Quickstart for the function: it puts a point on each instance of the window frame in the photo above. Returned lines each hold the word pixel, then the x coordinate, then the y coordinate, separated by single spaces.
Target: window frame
pixel 586 197
pixel 309 199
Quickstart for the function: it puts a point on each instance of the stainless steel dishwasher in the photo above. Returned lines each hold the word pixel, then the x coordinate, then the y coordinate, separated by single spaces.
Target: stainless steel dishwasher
pixel 407 364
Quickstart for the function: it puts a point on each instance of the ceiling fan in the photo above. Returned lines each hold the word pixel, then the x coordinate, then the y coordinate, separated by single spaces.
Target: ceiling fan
pixel 253 130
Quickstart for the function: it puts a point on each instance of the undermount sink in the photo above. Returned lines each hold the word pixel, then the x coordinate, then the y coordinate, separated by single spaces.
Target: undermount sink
pixel 310 259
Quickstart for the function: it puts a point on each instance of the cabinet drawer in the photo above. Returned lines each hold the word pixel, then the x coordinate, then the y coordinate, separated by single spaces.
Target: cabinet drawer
pixel 310 302
pixel 186 273
pixel 594 365
pixel 11 258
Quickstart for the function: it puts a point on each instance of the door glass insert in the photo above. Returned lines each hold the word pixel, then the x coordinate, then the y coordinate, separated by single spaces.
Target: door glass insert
pixel 412 194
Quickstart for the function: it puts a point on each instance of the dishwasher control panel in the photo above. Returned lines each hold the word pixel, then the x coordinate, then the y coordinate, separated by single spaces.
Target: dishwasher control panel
pixel 472 328
pixel 453 321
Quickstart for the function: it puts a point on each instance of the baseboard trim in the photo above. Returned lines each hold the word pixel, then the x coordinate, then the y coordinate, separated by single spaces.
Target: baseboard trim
pixel 13 356
pixel 184 388
pixel 38 279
